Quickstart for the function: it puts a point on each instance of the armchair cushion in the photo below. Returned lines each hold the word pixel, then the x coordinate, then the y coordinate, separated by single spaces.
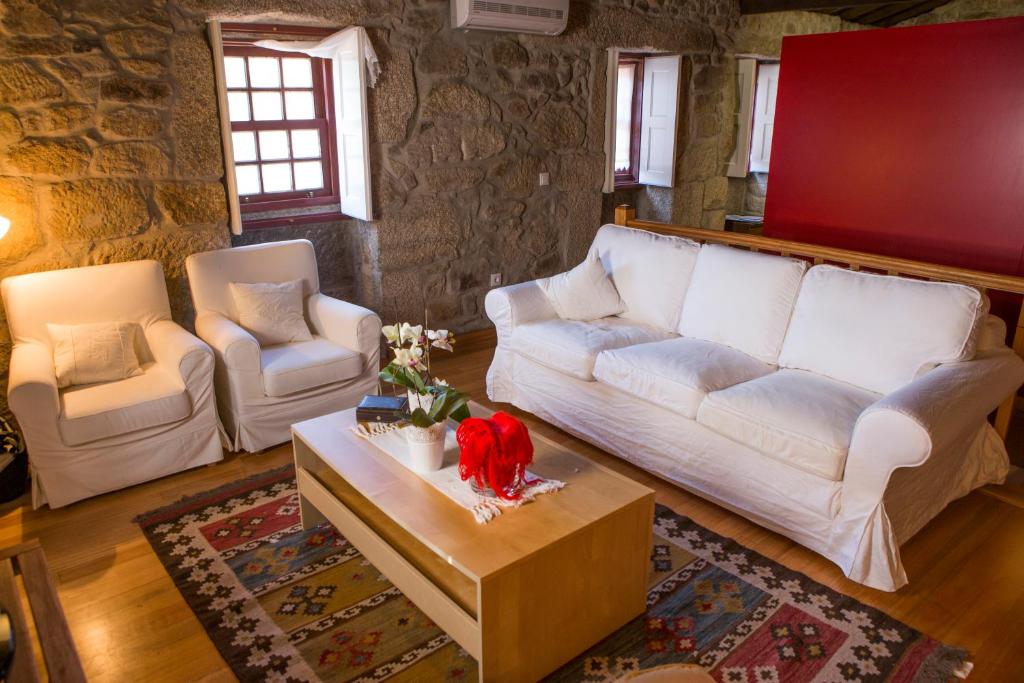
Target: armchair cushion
pixel 802 419
pixel 271 312
pixel 100 411
pixel 290 368
pixel 94 352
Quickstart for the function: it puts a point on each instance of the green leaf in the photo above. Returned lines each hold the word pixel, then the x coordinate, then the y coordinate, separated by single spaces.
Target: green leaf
pixel 460 413
pixel 419 418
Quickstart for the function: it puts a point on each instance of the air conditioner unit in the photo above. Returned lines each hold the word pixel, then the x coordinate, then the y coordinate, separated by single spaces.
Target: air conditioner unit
pixel 518 16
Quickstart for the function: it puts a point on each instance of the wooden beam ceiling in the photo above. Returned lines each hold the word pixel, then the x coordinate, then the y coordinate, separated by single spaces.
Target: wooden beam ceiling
pixel 869 12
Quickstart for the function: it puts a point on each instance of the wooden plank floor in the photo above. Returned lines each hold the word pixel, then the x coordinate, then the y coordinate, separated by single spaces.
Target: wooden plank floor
pixel 966 568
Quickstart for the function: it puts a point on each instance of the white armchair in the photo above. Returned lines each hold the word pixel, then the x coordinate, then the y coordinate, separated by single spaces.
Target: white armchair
pixel 261 392
pixel 90 439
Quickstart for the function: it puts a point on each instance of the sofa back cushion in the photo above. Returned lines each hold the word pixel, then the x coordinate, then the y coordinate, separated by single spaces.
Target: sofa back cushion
pixel 650 272
pixel 879 332
pixel 741 299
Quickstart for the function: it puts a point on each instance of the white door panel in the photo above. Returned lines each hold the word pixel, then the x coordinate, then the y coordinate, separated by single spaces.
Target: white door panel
pixel 659 119
pixel 764 116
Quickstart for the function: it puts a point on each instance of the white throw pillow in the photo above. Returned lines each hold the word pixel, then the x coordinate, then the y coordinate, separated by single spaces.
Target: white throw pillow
pixel 741 299
pixel 93 352
pixel 650 272
pixel 879 332
pixel 584 293
pixel 271 312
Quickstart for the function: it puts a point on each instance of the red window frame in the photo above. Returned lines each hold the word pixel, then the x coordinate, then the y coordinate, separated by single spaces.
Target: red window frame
pixel 238 42
pixel 630 177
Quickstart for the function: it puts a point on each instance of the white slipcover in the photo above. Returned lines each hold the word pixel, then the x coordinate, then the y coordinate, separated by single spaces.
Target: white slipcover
pixel 649 271
pixel 845 471
pixel 87 440
pixel 741 299
pixel 677 373
pixel 879 332
pixel 262 392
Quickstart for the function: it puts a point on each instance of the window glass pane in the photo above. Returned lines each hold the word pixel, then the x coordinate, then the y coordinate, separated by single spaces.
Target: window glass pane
pixel 300 105
pixel 267 106
pixel 305 144
pixel 244 145
pixel 265 72
pixel 309 175
pixel 298 73
pixel 234 72
pixel 238 106
pixel 624 116
pixel 277 177
pixel 273 144
pixel 248 179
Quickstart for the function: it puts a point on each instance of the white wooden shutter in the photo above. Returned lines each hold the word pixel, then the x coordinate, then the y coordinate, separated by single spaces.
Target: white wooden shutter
pixel 217 46
pixel 746 74
pixel 351 120
pixel 764 116
pixel 658 120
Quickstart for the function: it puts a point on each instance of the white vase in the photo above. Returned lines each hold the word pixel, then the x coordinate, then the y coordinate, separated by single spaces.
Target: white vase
pixel 426 446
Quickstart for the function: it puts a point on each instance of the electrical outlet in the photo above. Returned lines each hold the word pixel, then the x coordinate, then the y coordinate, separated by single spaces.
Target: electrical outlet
pixel 544 179
pixel 495 279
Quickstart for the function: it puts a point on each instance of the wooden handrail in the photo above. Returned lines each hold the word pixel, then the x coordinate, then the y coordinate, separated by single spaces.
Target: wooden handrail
pixel 855 260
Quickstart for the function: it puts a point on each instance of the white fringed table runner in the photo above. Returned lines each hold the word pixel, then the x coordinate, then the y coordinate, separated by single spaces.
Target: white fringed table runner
pixel 447 480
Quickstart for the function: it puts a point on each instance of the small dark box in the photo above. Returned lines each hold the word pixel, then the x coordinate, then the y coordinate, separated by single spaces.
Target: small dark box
pixel 383 409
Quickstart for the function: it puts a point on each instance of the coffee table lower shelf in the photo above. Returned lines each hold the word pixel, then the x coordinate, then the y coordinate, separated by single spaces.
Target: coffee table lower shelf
pixel 522 619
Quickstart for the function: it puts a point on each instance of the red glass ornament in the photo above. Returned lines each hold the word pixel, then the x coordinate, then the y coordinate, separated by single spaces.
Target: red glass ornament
pixel 495 453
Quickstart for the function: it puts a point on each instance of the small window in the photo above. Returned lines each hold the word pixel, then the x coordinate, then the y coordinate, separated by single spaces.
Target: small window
pixel 280 109
pixel 628 102
pixel 643 101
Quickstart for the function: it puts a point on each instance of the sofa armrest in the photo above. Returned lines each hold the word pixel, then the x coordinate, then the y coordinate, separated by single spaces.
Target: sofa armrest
pixel 32 393
pixel 174 348
pixel 345 324
pixel 236 348
pixel 515 305
pixel 904 428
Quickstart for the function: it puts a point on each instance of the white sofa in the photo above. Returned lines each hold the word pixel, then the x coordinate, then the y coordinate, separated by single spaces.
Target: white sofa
pixel 261 392
pixel 90 439
pixel 841 409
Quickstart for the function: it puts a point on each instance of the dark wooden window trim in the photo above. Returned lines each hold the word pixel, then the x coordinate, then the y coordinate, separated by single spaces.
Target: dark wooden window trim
pixel 238 41
pixel 629 178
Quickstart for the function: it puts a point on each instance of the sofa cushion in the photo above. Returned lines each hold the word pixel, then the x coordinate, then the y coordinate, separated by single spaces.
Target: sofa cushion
pixel 802 419
pixel 101 411
pixel 650 272
pixel 676 373
pixel 299 366
pixel 741 299
pixel 877 331
pixel 572 347
pixel 583 293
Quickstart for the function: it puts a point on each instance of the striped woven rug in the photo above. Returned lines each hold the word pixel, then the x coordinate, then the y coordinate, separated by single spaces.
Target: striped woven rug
pixel 285 604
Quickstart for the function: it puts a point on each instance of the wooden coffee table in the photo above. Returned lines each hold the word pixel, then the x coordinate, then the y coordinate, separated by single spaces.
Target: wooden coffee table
pixel 522 594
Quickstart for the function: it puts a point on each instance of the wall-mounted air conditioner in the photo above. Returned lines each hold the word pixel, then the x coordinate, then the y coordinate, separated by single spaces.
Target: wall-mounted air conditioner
pixel 519 16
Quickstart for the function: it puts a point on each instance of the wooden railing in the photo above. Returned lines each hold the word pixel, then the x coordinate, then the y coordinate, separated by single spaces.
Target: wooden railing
pixel 854 260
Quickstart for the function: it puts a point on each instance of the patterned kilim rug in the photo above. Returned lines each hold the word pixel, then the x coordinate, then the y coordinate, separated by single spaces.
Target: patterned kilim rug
pixel 285 604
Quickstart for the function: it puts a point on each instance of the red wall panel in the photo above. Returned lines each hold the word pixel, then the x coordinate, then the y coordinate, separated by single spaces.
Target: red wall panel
pixel 906 142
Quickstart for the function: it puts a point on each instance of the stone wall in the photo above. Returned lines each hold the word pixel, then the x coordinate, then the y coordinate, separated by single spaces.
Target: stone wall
pixel 110 146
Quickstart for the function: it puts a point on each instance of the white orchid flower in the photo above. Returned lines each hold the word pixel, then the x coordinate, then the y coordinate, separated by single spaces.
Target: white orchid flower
pixel 390 333
pixel 442 343
pixel 410 333
pixel 409 357
pixel 438 382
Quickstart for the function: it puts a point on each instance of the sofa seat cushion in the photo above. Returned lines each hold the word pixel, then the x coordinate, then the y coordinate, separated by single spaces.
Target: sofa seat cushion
pixel 677 373
pixel 299 366
pixel 572 346
pixel 800 418
pixel 100 411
